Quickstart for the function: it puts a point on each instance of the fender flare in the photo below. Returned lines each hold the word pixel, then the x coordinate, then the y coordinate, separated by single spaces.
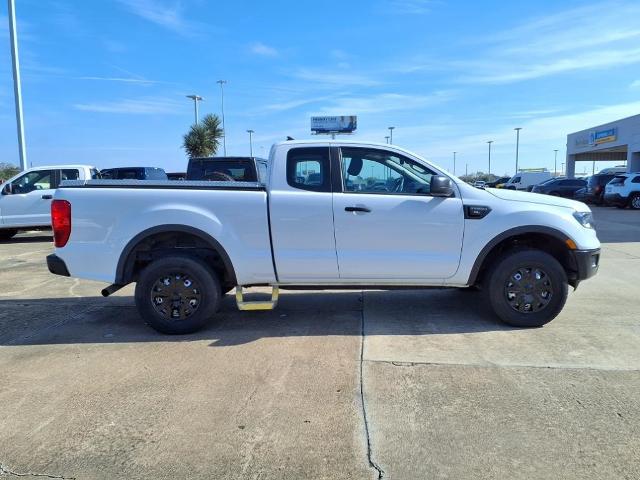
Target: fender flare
pixel 512 232
pixel 123 269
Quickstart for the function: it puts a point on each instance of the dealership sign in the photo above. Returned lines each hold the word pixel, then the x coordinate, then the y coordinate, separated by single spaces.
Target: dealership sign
pixel 603 136
pixel 339 124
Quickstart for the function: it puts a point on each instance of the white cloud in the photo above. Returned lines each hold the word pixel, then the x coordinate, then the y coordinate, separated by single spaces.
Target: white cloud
pixel 334 79
pixel 169 17
pixel 384 102
pixel 148 106
pixel 259 48
pixel 137 81
pixel 635 84
pixel 598 36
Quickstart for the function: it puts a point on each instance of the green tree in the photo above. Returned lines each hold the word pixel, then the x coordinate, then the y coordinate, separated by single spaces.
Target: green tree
pixel 203 138
pixel 8 170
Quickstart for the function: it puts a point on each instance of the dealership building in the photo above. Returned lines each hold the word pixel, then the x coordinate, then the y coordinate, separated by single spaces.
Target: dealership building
pixel 617 141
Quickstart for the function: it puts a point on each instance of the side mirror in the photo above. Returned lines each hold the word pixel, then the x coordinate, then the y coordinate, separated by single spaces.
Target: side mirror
pixel 441 186
pixel 6 189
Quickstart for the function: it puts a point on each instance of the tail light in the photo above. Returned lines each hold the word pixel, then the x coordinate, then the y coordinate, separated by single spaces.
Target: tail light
pixel 597 188
pixel 61 222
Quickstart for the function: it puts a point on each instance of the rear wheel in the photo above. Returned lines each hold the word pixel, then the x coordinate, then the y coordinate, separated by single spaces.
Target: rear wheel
pixel 7 233
pixel 177 295
pixel 527 288
pixel 634 202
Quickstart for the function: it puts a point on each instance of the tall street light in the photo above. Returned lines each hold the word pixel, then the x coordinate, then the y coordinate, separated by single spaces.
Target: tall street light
pixel 391 135
pixel 250 132
pixel 224 130
pixel 387 139
pixel 490 142
pixel 196 99
pixel 454 162
pixel 555 162
pixel 17 89
pixel 517 129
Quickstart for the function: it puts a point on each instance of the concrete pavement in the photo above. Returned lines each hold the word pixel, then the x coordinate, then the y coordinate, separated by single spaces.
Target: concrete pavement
pixel 88 391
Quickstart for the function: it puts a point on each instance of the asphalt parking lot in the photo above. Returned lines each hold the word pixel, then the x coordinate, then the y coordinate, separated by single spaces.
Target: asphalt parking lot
pixel 404 384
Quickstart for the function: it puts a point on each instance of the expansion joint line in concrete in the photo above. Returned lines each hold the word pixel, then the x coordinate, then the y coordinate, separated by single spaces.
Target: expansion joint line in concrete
pixel 372 463
pixel 5 471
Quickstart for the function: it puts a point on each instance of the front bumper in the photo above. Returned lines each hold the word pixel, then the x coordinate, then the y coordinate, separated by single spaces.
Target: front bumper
pixel 586 263
pixel 57 266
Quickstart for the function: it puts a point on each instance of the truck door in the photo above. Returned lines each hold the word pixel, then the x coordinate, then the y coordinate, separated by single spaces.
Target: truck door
pixel 26 200
pixel 387 226
pixel 301 216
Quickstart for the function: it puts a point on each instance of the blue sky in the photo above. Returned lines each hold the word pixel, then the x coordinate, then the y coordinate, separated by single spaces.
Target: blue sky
pixel 104 82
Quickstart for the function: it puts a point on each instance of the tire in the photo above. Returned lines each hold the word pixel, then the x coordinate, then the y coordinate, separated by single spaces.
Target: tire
pixel 634 201
pixel 7 233
pixel 530 307
pixel 157 286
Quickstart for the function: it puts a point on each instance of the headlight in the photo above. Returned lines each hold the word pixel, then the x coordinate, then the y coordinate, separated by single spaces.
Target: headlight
pixel 585 219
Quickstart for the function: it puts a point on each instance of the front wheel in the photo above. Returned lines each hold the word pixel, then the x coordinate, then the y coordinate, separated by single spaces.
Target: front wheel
pixel 177 295
pixel 635 201
pixel 527 288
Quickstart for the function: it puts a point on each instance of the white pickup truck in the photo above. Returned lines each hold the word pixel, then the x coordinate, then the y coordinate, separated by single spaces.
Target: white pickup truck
pixel 331 215
pixel 25 198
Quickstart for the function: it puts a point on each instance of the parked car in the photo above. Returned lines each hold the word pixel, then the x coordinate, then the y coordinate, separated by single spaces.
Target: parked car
pixel 25 198
pixel 624 190
pixel 526 180
pixel 595 187
pixel 239 169
pixel 498 182
pixel 430 229
pixel 134 173
pixel 479 184
pixel 176 175
pixel 560 187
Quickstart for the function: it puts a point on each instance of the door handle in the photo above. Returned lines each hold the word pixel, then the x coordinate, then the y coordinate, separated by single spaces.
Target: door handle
pixel 357 209
pixel 47 197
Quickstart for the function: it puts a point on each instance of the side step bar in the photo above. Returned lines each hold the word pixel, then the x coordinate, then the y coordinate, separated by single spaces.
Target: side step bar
pixel 264 305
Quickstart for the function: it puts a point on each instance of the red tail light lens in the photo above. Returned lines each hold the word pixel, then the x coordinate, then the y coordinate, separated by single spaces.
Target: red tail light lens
pixel 61 222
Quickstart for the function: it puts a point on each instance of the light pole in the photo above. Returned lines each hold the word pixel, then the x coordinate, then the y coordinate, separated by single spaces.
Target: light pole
pixel 387 139
pixel 517 129
pixel 562 167
pixel 490 142
pixel 196 99
pixel 17 88
pixel 555 162
pixel 224 130
pixel 391 135
pixel 250 132
pixel 466 169
pixel 454 162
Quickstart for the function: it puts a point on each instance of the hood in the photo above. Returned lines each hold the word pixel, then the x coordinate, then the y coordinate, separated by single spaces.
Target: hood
pixel 514 195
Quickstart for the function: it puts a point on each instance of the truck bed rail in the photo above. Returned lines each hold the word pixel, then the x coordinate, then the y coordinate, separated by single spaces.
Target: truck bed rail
pixel 163 184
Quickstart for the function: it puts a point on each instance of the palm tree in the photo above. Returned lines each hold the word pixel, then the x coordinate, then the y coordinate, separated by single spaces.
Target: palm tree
pixel 203 138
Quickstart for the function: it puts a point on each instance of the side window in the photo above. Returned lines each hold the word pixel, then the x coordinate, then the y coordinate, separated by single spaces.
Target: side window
pixel 378 171
pixel 38 180
pixel 95 174
pixel 69 174
pixel 308 169
pixel 636 180
pixel 516 180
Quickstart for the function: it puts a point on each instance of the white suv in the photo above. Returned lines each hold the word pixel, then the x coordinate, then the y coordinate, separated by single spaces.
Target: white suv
pixel 623 190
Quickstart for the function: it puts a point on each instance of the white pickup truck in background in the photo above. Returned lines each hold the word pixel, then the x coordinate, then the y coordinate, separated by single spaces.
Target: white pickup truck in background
pixel 25 198
pixel 333 215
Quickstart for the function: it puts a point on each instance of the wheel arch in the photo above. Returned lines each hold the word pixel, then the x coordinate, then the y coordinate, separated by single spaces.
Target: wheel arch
pixel 125 270
pixel 547 239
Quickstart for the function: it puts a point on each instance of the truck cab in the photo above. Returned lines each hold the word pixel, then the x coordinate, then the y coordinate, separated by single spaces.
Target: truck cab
pixel 25 198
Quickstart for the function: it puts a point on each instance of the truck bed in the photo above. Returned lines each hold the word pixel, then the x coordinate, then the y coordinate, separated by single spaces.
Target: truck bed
pixel 108 215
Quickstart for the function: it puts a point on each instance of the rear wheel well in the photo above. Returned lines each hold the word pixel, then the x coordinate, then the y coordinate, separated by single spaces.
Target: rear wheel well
pixel 142 251
pixel 545 242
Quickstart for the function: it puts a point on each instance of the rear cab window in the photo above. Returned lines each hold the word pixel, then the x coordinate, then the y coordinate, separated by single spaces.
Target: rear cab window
pixel 241 170
pixel 308 168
